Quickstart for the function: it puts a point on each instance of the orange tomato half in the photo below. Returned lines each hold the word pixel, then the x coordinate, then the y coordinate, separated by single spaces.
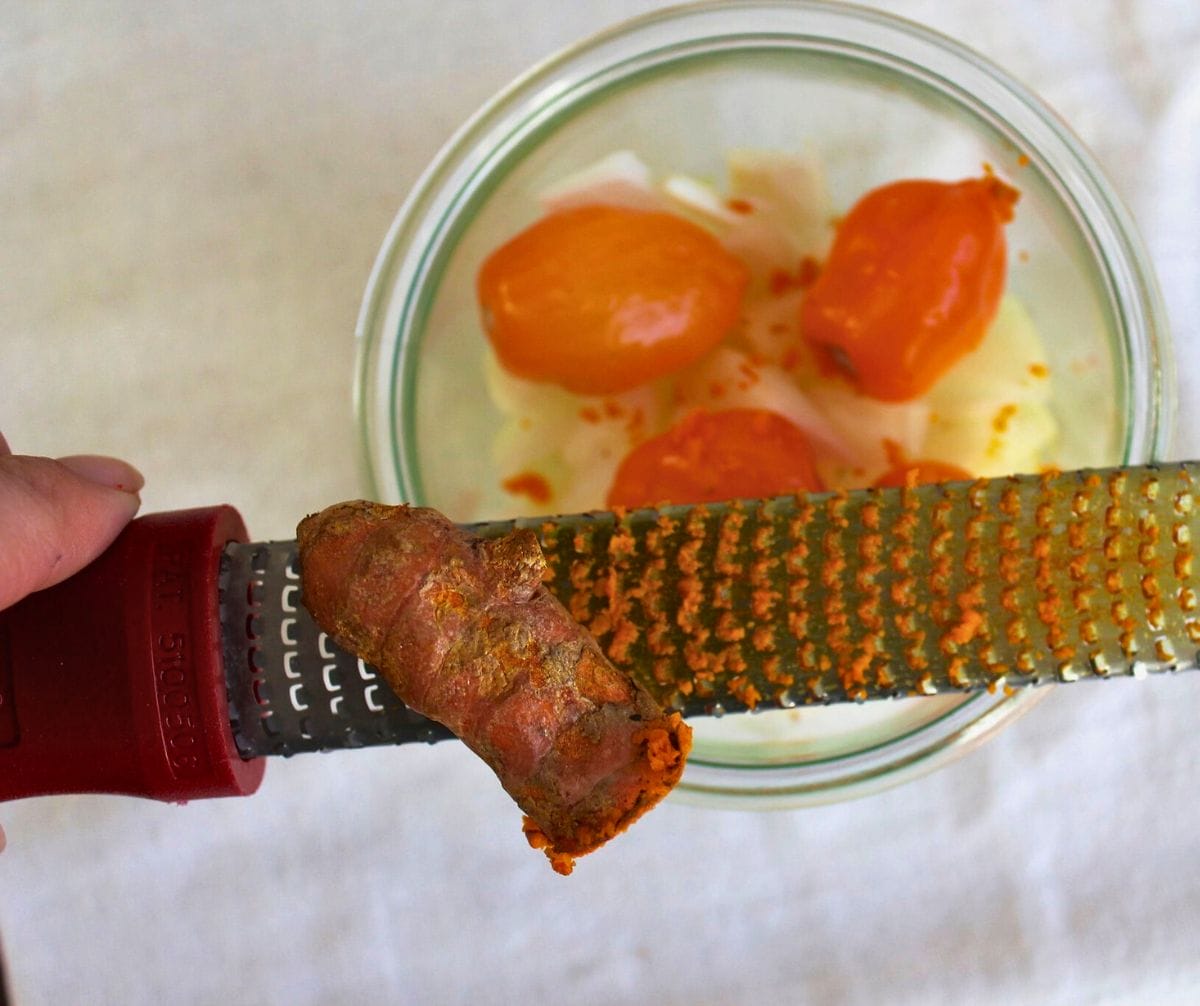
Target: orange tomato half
pixel 600 299
pixel 712 456
pixel 913 280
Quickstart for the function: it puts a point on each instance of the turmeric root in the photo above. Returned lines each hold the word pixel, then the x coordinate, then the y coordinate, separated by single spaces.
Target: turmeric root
pixel 465 632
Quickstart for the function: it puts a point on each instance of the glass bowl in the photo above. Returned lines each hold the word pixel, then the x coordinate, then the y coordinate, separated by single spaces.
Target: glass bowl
pixel 876 99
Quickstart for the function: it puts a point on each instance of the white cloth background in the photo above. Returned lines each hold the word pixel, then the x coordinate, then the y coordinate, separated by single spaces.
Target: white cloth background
pixel 191 196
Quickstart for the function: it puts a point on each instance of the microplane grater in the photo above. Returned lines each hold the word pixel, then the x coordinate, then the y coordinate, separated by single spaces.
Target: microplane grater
pixel 994 584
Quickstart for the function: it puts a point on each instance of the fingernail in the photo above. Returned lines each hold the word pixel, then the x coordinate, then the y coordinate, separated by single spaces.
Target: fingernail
pixel 5 450
pixel 110 472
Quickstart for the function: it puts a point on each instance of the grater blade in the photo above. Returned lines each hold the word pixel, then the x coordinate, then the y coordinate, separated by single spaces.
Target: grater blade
pixel 828 597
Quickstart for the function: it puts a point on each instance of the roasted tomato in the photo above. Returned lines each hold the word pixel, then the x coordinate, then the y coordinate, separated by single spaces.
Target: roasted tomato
pixel 600 299
pixel 712 456
pixel 912 282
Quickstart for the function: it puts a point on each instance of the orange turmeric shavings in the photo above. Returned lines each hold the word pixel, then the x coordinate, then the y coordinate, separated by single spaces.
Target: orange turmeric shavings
pixel 1003 417
pixel 728 538
pixel 941 538
pixel 1010 502
pixel 662 748
pixel 807 272
pixel 688 557
pixel 968 624
pixel 763 600
pixel 763 638
pixel 763 595
pixel 691 603
pixel 897 456
pixel 903 587
pixel 665 747
pixel 663 670
pixel 699 662
pixel 729 628
pixel 530 484
pixel 625 634
pixel 798 624
pixel 870 550
pixel 742 689
pixel 852 660
pixel 561 862
pixel 773 672
pixel 956 673
pixel 621 544
pixel 1181 538
pixel 973 557
pixel 750 376
pixel 782 281
pixel 779 282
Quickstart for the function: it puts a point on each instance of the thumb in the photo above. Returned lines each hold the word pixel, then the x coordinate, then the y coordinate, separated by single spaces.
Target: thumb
pixel 57 516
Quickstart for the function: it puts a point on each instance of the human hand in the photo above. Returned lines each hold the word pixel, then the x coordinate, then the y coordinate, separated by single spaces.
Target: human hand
pixel 57 516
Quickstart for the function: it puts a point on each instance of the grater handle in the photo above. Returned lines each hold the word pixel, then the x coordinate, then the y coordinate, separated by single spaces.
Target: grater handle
pixel 113 681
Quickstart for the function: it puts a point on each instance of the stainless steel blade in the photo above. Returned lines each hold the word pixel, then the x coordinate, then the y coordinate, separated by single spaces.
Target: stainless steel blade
pixel 997 584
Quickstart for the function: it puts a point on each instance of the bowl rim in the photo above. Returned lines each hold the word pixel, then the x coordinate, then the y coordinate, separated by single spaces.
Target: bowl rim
pixel 1113 242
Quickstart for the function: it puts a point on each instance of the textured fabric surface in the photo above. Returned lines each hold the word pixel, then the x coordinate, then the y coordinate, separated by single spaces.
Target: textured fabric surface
pixel 192 197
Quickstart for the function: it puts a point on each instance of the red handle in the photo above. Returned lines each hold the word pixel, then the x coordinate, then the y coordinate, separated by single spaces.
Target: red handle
pixel 112 681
